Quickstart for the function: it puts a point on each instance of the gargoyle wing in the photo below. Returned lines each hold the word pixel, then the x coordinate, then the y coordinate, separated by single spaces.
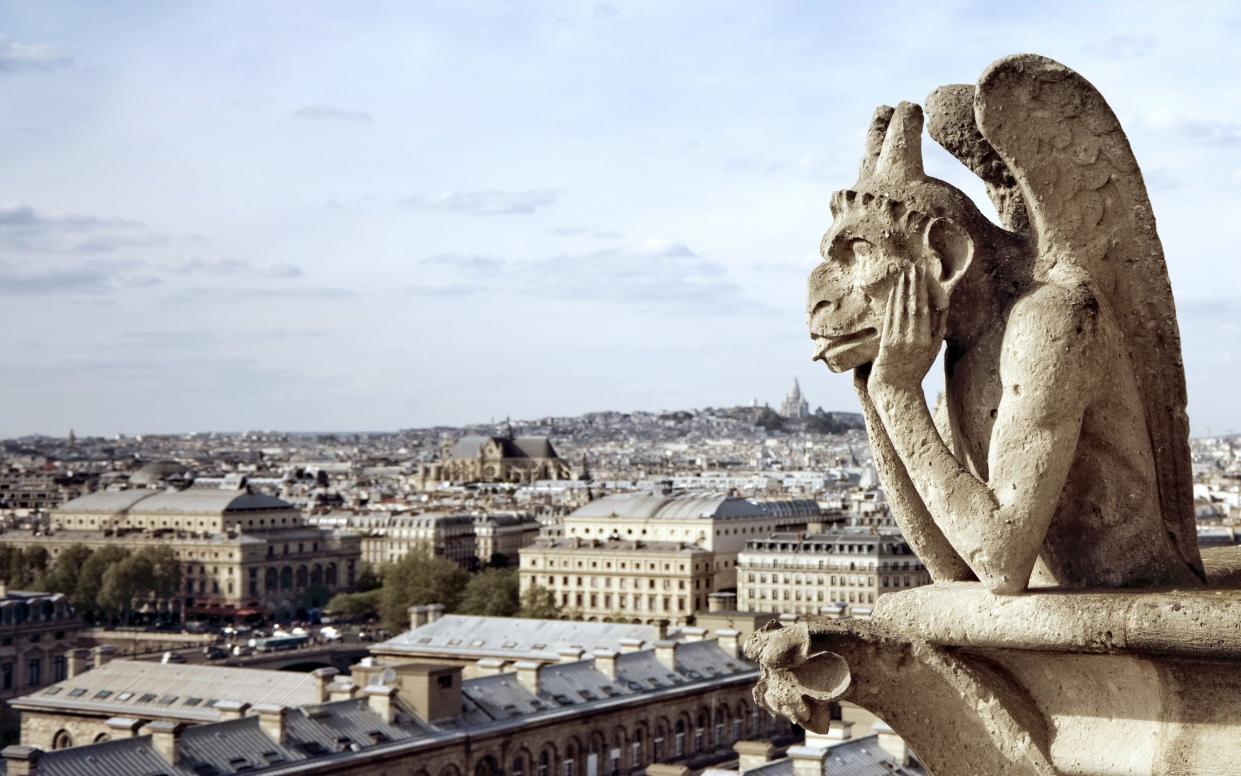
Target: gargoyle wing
pixel 1089 212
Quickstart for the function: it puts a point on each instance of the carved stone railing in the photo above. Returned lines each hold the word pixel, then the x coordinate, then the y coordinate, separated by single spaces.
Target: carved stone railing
pixel 1098 682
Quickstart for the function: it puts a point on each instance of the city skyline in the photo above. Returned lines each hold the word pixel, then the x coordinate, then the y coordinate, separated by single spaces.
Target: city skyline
pixel 231 217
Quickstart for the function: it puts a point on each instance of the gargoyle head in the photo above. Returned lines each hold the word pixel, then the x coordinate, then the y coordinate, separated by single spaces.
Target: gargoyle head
pixel 894 215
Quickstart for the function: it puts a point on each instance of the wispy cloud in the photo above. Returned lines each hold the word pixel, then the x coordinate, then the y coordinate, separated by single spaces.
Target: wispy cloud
pixel 1123 46
pixel 16 57
pixel 198 293
pixel 22 227
pixel 331 113
pixel 1203 130
pixel 93 278
pixel 435 288
pixel 486 202
pixel 464 263
pixel 234 267
pixel 596 232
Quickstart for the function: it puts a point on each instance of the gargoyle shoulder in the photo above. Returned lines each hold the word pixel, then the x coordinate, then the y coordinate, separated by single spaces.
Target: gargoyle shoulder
pixel 1054 336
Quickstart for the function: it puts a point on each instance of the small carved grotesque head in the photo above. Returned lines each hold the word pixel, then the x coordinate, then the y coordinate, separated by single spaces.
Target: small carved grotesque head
pixel 893 216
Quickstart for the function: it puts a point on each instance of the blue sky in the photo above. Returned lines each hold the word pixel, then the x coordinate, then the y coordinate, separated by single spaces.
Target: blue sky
pixel 381 215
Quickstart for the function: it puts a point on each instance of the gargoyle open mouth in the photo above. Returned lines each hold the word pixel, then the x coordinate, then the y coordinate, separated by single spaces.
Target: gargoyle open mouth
pixel 828 347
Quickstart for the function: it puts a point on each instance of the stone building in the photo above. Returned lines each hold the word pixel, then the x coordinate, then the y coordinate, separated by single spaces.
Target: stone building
pixel 715 523
pixel 611 713
pixel 82 707
pixel 386 538
pixel 241 552
pixel 839 573
pixel 621 581
pixel 494 459
pixel 37 633
pixel 499 538
pixel 794 404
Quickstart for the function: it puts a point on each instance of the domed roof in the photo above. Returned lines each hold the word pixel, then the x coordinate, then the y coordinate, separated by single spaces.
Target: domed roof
pixel 155 472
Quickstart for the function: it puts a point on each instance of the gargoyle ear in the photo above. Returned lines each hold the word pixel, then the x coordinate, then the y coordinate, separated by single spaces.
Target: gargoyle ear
pixel 954 248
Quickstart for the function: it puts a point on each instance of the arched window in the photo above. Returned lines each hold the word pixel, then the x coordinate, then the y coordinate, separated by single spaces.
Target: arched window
pixel 636 753
pixel 700 732
pixel 519 766
pixel 679 746
pixel 545 765
pixel 570 761
pixel 62 740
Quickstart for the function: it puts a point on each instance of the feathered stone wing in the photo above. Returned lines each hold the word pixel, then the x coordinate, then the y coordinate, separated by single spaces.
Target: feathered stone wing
pixel 1089 211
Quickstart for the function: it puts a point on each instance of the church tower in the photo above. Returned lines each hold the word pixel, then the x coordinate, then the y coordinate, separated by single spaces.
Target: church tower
pixel 795 405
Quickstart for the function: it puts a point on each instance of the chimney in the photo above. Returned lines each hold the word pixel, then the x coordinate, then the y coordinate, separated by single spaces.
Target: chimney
pixel 432 691
pixel 103 654
pixel 666 769
pixel 693 634
pixel 76 661
pixel 323 680
pixel 788 618
pixel 630 645
pixel 528 675
pixel 721 602
pixel 382 700
pixel 271 720
pixel 122 727
pixel 892 743
pixel 489 666
pixel 666 653
pixel 605 662
pixel 417 616
pixel 838 731
pixel 661 629
pixel 434 612
pixel 21 760
pixel 342 690
pixel 729 640
pixel 231 709
pixel 571 654
pixel 807 760
pixel 752 754
pixel 165 735
pixel 4 589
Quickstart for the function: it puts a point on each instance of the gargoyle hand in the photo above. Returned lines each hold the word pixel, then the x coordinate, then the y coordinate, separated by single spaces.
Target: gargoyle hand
pixel 796 684
pixel 913 331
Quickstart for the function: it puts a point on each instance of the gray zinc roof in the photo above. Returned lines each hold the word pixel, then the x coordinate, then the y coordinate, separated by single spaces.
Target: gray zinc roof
pixel 690 505
pixel 512 638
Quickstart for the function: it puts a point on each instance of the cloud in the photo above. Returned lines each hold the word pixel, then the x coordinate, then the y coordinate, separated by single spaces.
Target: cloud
pixel 24 228
pixel 331 113
pixel 486 202
pixel 585 231
pixel 473 264
pixel 1123 46
pixel 1196 129
pixel 234 267
pixel 807 167
pixel 93 278
pixel 199 293
pixel 668 249
pixel 435 288
pixel 17 57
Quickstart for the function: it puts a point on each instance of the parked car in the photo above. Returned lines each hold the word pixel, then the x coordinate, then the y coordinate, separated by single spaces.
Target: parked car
pixel 172 657
pixel 215 653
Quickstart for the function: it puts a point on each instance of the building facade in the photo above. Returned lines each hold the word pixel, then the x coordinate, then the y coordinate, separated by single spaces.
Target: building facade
pixel 38 631
pixel 241 552
pixel 839 573
pixel 499 538
pixel 386 538
pixel 494 459
pixel 613 713
pixel 794 404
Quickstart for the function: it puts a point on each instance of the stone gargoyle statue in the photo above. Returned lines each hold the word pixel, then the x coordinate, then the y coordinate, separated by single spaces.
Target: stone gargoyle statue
pixel 1057 463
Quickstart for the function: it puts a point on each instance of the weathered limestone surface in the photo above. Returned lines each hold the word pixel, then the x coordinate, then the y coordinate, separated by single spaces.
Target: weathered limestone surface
pixel 1073 627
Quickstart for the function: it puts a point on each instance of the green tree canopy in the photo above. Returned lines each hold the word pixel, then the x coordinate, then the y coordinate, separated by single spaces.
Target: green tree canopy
pixel 355 606
pixel 492 592
pixel 419 578
pixel 90 579
pixel 539 603
pixel 62 577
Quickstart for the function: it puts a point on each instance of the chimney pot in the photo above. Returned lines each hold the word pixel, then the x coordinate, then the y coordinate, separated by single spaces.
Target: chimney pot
pixel 630 645
pixel 752 754
pixel 103 654
pixel 528 675
pixel 838 731
pixel 323 680
pixel 417 616
pixel 807 760
pixel 892 743
pixel 666 653
pixel 21 760
pixel 271 720
pixel 342 690
pixel 382 700
pixel 165 735
pixel 122 727
pixel 605 662
pixel 231 709
pixel 729 640
pixel 721 602
pixel 76 662
pixel 489 666
pixel 571 654
pixel 693 634
pixel 434 612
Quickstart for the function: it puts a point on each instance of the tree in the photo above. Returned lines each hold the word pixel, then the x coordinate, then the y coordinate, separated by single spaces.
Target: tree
pixel 90 581
pixel 539 603
pixel 492 592
pixel 769 420
pixel 821 423
pixel 419 578
pixel 354 606
pixel 62 577
pixel 368 578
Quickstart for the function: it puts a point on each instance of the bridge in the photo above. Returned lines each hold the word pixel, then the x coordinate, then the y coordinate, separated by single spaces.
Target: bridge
pixel 308 658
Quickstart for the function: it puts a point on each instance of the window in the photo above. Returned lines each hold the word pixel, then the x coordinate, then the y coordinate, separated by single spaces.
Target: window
pixel 59 669
pixel 34 672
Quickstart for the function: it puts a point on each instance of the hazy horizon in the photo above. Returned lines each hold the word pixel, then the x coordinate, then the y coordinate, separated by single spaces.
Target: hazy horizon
pixel 266 215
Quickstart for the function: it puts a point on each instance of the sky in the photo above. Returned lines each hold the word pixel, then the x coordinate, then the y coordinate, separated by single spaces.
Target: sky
pixel 372 216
